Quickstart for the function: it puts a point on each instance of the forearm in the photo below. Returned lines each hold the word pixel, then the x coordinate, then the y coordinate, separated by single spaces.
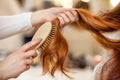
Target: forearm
pixel 10 25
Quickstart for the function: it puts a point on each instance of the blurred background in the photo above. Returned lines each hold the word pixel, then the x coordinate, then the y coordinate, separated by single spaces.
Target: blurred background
pixel 85 52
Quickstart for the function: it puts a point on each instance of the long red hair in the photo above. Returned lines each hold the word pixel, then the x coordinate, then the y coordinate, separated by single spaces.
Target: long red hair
pixel 56 53
pixel 98 24
pixel 54 56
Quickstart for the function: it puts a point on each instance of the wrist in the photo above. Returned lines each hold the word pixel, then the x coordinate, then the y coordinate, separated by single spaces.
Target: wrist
pixel 37 19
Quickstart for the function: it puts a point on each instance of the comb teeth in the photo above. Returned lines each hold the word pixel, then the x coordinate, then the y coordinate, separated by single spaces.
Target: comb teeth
pixel 49 38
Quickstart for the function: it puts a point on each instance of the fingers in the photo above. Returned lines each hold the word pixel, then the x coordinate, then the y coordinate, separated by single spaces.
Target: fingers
pixel 28 59
pixel 58 10
pixel 62 21
pixel 30 45
pixel 70 16
pixel 25 67
pixel 67 17
pixel 28 62
pixel 75 14
pixel 31 53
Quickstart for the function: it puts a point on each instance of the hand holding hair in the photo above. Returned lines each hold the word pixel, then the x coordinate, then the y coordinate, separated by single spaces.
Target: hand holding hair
pixel 64 15
pixel 56 53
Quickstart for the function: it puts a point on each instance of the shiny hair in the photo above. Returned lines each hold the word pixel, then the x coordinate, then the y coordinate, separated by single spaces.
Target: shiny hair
pixel 97 24
pixel 54 56
pixel 56 53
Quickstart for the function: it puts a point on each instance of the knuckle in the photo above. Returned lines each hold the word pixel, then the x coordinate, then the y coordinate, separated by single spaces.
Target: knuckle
pixel 75 13
pixel 35 55
pixel 67 12
pixel 62 24
pixel 73 20
pixel 31 61
pixel 68 21
pixel 24 67
pixel 33 52
pixel 62 14
pixel 27 67
pixel 59 18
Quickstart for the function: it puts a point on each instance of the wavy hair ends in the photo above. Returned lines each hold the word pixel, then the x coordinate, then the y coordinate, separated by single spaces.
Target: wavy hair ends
pixel 54 56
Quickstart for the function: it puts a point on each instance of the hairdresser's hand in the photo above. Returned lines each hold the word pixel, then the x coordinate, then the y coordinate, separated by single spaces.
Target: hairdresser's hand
pixel 18 62
pixel 64 15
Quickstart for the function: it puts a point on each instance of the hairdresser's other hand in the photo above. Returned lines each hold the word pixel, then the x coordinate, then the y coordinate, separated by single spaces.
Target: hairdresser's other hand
pixel 64 15
pixel 18 62
pixel 67 17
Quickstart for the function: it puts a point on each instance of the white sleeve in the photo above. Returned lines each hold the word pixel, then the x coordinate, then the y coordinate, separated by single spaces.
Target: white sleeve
pixel 10 25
